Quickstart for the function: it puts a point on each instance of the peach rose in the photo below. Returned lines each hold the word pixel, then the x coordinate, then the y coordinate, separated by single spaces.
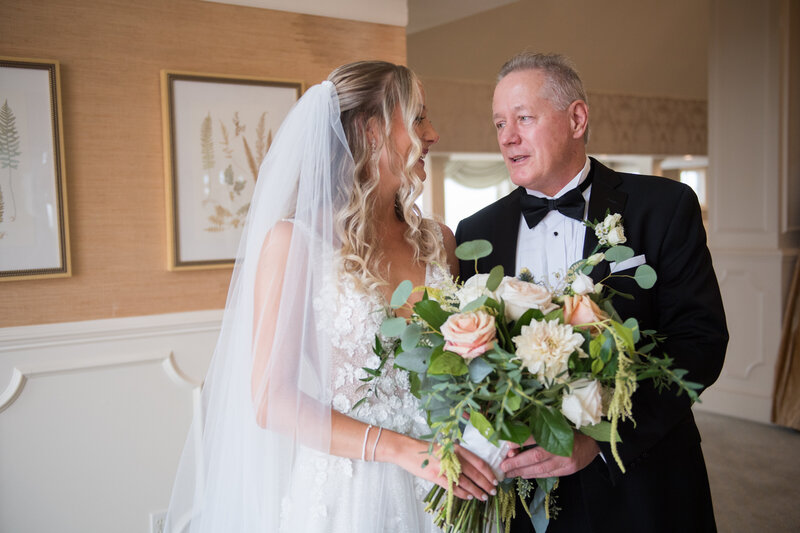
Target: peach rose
pixel 469 334
pixel 580 309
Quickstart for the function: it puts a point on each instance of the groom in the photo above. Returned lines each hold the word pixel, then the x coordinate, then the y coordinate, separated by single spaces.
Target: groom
pixel 541 117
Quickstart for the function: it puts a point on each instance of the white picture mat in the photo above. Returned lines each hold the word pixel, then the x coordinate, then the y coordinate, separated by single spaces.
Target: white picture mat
pixel 32 239
pixel 197 189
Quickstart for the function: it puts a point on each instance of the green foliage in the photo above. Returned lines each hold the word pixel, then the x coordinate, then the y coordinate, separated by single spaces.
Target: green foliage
pixel 432 313
pixel 645 276
pixel 495 277
pixel 393 326
pixel 473 250
pixel 617 254
pixel 447 363
pixel 600 432
pixel 551 431
pixel 401 294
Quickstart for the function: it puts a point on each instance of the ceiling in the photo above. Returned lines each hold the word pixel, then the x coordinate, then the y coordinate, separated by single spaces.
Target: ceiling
pixel 416 15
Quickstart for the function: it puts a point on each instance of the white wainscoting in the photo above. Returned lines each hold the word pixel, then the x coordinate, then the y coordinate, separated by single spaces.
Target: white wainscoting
pixel 93 418
pixel 754 287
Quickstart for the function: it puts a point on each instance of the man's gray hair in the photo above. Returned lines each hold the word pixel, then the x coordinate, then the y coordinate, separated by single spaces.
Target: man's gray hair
pixel 562 84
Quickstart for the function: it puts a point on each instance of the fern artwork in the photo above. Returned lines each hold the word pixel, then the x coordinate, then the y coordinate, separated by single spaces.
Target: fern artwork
pixel 230 161
pixel 219 130
pixel 34 233
pixel 9 162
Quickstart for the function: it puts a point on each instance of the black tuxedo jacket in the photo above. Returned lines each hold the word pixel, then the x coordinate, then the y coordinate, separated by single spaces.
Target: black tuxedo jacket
pixel 665 487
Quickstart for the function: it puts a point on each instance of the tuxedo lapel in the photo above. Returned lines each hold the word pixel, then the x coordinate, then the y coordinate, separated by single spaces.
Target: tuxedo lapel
pixel 604 198
pixel 506 232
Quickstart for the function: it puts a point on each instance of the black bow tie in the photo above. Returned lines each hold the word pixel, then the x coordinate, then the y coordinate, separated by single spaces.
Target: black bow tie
pixel 571 204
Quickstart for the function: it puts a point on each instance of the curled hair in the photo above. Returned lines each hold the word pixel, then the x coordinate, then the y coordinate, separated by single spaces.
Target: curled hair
pixel 370 92
pixel 562 84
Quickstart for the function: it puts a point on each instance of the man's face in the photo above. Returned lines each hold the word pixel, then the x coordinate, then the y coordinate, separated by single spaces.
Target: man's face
pixel 540 144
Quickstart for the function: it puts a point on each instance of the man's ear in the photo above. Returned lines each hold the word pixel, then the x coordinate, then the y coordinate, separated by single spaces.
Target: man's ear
pixel 578 118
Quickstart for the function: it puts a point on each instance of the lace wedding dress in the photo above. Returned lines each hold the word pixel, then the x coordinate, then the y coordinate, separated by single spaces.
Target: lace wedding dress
pixel 332 494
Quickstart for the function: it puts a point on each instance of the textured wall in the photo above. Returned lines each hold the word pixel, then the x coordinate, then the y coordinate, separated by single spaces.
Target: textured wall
pixel 111 54
pixel 620 124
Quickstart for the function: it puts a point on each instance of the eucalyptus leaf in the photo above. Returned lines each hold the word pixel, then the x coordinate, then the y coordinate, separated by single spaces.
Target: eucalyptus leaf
pixel 600 432
pixel 435 339
pixel 645 276
pixel 415 360
pixel 495 277
pixel 546 483
pixel 447 363
pixel 401 294
pixel 479 369
pixel 393 327
pixel 475 304
pixel 410 336
pixel 551 431
pixel 617 254
pixel 538 512
pixel 472 250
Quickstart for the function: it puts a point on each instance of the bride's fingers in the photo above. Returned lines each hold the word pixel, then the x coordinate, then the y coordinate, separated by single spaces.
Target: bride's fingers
pixel 458 489
pixel 466 489
pixel 477 470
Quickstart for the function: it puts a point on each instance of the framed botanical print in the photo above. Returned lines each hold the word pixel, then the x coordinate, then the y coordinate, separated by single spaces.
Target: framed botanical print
pixel 217 130
pixel 34 234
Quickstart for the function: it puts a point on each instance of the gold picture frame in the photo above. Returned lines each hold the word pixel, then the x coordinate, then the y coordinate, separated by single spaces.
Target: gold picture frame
pixel 217 129
pixel 34 229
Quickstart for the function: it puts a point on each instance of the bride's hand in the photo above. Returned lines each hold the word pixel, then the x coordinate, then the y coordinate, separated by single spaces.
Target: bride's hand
pixel 476 479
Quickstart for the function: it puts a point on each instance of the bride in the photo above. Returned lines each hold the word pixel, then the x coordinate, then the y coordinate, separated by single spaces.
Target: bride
pixel 283 443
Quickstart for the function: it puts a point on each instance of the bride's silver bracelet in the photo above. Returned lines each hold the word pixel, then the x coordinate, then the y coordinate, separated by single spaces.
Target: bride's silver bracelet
pixel 375 446
pixel 364 446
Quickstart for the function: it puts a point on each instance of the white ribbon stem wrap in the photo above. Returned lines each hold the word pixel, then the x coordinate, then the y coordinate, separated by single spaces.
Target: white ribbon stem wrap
pixel 480 446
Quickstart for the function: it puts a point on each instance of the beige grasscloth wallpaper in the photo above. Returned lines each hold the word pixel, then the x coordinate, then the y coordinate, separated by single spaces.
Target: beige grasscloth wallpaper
pixel 111 55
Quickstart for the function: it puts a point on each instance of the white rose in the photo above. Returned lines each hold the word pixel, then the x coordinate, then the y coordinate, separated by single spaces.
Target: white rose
pixel 616 235
pixel 583 405
pixel 519 296
pixel 595 259
pixel 473 288
pixel 610 221
pixel 582 284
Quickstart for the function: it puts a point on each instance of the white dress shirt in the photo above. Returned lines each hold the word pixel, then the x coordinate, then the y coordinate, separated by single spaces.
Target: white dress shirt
pixel 554 244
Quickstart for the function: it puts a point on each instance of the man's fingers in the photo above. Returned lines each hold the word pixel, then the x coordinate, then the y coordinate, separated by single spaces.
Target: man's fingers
pixel 530 457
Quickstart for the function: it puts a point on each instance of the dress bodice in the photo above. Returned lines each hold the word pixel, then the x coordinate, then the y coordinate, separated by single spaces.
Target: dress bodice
pixel 354 319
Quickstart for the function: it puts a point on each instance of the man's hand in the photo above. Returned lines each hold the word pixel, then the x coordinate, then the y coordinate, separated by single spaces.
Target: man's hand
pixel 538 462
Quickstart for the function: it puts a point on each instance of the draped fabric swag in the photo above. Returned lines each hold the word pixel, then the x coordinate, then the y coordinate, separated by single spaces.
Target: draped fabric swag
pixel 476 174
pixel 786 398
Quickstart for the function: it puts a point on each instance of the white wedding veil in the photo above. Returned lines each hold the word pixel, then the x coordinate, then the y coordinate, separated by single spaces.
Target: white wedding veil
pixel 267 390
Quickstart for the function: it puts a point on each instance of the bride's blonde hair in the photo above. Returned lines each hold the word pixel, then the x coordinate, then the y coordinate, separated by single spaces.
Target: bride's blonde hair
pixel 371 91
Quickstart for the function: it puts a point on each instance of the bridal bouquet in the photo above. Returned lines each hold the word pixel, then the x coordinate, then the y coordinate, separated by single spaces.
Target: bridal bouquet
pixel 500 359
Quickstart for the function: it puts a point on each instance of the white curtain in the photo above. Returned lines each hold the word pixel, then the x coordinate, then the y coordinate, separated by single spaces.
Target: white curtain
pixel 476 174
